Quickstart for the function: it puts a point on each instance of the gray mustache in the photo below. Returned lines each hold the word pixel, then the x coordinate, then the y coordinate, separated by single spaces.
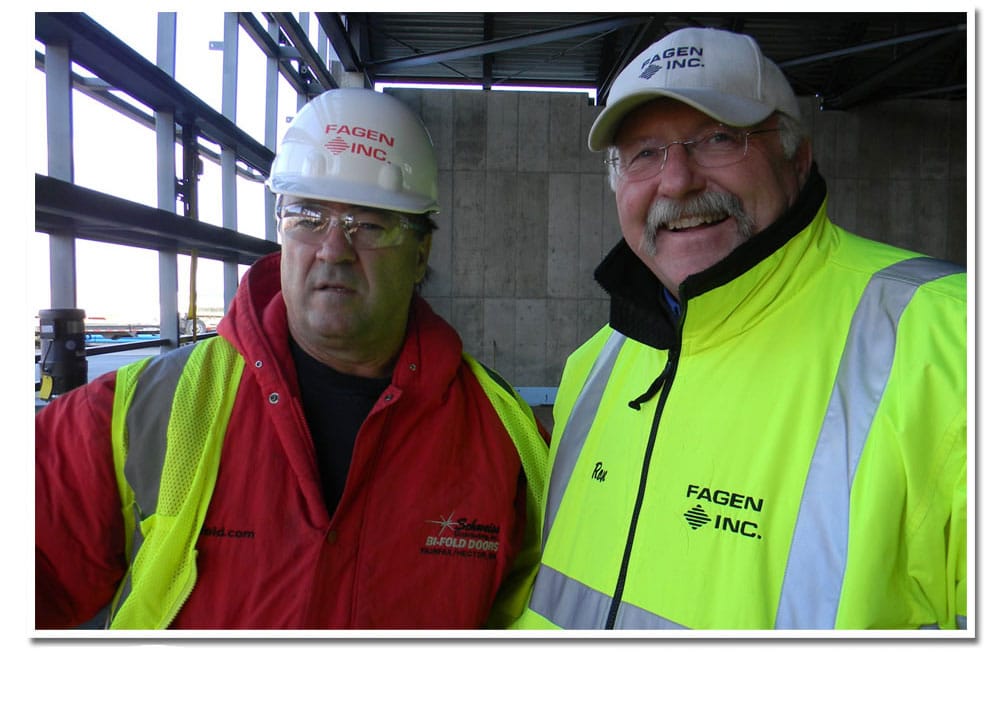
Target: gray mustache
pixel 707 206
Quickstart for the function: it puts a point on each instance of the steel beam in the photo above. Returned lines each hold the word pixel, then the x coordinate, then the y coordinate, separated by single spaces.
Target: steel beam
pixel 105 218
pixel 268 45
pixel 307 54
pixel 166 182
pixel 59 137
pixel 110 59
pixel 870 46
pixel 860 92
pixel 348 56
pixel 498 45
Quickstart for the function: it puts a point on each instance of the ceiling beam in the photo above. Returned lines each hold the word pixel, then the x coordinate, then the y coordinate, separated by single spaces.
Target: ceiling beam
pixel 869 86
pixel 488 25
pixel 643 35
pixel 347 53
pixel 870 46
pixel 498 45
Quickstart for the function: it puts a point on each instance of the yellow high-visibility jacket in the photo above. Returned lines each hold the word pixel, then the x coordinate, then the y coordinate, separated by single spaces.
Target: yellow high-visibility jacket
pixel 790 455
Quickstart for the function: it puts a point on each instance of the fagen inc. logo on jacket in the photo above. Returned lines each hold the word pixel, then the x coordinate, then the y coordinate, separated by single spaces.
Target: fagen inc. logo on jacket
pixel 697 517
pixel 462 537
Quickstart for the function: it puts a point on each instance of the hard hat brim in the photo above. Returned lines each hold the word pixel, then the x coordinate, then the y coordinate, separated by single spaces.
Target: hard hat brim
pixel 361 194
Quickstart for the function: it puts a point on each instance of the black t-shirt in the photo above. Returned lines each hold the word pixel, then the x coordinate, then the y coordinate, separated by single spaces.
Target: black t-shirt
pixel 335 404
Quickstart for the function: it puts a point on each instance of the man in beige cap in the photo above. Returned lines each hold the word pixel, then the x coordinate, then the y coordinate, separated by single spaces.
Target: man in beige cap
pixel 770 433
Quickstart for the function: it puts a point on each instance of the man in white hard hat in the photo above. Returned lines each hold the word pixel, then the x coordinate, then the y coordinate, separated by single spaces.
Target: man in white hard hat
pixel 770 431
pixel 332 459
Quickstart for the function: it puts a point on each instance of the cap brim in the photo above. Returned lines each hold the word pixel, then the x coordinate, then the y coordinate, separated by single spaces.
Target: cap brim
pixel 728 109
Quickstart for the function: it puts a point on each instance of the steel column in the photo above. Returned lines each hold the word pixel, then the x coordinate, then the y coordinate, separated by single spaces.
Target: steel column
pixel 59 125
pixel 166 182
pixel 230 55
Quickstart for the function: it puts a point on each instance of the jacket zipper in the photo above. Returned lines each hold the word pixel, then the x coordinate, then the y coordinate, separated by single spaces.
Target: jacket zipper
pixel 669 372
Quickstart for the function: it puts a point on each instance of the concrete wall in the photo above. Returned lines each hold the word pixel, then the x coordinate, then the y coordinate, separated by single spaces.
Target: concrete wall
pixel 897 173
pixel 527 213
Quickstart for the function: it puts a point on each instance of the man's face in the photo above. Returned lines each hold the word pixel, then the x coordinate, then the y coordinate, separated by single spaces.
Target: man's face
pixel 727 204
pixel 345 302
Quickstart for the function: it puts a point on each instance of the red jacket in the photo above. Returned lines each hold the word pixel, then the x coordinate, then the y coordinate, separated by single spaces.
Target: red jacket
pixel 427 529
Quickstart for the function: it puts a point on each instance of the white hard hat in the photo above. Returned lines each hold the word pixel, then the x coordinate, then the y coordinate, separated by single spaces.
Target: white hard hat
pixel 723 74
pixel 358 146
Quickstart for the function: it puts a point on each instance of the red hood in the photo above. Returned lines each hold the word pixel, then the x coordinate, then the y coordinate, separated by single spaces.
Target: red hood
pixel 257 325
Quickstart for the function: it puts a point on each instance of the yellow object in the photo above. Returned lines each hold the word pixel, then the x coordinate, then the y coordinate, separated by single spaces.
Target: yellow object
pixel 163 569
pixel 45 392
pixel 802 466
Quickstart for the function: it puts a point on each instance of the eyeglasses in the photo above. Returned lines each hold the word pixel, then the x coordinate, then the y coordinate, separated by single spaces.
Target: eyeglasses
pixel 719 146
pixel 310 223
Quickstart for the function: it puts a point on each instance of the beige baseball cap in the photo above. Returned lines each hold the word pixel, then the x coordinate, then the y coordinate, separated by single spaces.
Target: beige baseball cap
pixel 720 73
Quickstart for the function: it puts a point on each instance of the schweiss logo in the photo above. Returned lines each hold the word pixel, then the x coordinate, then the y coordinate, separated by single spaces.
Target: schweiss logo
pixel 359 140
pixel 446 523
pixel 464 538
pixel 697 517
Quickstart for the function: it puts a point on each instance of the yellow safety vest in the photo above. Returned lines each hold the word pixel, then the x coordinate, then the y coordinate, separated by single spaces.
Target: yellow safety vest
pixel 803 467
pixel 166 478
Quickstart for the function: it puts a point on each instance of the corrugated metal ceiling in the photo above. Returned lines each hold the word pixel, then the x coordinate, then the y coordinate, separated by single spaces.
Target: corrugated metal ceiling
pixel 846 59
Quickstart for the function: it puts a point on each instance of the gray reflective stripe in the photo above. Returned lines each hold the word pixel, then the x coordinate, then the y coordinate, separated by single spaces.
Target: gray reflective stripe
pixel 632 617
pixel 571 605
pixel 578 427
pixel 146 421
pixel 961 623
pixel 814 573
pixel 555 596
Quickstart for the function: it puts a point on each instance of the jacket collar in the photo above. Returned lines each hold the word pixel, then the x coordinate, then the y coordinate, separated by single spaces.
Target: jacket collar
pixel 638 309
pixel 257 325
